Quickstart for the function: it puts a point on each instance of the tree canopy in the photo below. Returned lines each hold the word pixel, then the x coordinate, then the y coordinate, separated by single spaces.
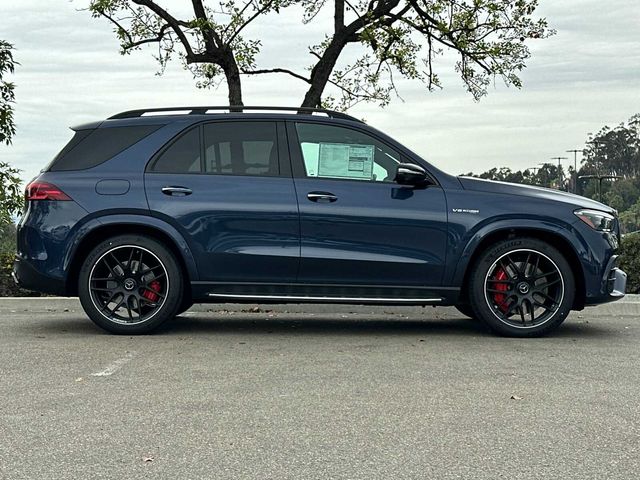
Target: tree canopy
pixel 10 194
pixel 548 175
pixel 390 38
pixel 11 200
pixel 614 151
pixel 7 94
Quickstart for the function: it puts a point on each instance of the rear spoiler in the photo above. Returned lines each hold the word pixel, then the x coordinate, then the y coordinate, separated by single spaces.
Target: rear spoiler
pixel 86 126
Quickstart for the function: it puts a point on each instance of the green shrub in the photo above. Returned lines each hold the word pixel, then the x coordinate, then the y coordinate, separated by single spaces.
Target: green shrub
pixel 8 288
pixel 630 261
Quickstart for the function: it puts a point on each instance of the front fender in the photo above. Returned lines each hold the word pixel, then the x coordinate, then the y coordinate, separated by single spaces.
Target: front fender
pixel 140 219
pixel 468 244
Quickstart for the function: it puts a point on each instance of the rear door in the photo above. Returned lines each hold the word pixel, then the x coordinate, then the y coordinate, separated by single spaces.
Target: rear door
pixel 227 187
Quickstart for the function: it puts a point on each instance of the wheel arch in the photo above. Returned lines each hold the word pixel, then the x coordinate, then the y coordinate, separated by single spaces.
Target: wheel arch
pixel 103 228
pixel 480 242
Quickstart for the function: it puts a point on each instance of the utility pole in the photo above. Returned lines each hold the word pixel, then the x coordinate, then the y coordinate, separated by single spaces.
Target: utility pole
pixel 600 178
pixel 574 179
pixel 575 158
pixel 559 169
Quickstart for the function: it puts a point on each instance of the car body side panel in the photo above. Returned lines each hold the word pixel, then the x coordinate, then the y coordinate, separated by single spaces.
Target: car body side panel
pixel 374 234
pixel 44 233
pixel 49 234
pixel 239 228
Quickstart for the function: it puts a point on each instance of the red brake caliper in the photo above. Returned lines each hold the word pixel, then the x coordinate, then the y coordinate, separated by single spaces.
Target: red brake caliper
pixel 500 298
pixel 149 295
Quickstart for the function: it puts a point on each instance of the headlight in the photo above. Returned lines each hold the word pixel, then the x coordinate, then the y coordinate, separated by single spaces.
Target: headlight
pixel 601 221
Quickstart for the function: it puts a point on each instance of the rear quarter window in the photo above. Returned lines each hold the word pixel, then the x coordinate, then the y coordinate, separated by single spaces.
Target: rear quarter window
pixel 89 148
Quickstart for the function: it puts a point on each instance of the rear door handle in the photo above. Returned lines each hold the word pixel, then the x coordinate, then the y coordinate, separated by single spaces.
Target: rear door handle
pixel 177 191
pixel 321 197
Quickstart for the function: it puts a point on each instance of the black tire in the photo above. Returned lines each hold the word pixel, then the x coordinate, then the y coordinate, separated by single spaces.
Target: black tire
pixel 186 304
pixel 130 284
pixel 522 287
pixel 466 310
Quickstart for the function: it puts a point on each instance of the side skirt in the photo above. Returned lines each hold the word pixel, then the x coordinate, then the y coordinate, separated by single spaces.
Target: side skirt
pixel 213 292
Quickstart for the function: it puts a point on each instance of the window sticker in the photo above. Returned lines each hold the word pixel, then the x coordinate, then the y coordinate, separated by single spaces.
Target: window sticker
pixel 339 160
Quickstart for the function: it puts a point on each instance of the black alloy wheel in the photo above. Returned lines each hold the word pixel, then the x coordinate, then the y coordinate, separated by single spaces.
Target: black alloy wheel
pixel 522 287
pixel 130 284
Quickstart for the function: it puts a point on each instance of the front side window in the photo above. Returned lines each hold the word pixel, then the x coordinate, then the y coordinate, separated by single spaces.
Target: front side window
pixel 342 153
pixel 241 148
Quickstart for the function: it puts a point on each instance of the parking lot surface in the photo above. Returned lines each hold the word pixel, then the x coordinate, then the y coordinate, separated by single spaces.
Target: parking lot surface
pixel 316 392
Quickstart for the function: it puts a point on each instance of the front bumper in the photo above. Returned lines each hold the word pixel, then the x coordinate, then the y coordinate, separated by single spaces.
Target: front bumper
pixel 614 284
pixel 27 276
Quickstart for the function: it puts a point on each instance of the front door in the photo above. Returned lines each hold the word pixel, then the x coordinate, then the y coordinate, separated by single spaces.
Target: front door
pixel 358 227
pixel 224 186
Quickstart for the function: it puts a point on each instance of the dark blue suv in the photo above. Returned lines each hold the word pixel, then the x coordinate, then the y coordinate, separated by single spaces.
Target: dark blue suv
pixel 149 211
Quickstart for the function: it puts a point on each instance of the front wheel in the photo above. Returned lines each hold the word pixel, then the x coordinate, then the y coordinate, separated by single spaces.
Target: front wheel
pixel 522 287
pixel 130 284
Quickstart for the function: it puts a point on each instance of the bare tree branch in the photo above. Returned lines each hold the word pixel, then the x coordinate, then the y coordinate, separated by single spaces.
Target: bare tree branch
pixel 167 17
pixel 277 70
pixel 212 40
pixel 257 13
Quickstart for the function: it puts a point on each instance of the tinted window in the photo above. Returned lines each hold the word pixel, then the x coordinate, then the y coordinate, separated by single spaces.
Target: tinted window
pixel 337 152
pixel 241 148
pixel 182 156
pixel 89 148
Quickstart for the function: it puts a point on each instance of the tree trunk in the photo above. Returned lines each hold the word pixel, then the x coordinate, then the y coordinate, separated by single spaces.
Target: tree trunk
pixel 227 62
pixel 322 71
pixel 232 74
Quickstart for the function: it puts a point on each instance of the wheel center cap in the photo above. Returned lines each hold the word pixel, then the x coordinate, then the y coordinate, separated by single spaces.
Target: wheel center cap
pixel 523 288
pixel 129 284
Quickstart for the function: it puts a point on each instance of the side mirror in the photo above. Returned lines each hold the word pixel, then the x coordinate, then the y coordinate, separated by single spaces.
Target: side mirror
pixel 411 174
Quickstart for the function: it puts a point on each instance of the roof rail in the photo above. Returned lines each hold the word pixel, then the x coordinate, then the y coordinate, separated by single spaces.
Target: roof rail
pixel 203 110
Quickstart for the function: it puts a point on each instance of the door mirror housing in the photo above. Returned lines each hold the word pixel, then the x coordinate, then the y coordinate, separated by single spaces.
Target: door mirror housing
pixel 411 174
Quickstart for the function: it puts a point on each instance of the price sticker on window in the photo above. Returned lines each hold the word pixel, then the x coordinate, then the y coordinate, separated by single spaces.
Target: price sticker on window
pixel 339 160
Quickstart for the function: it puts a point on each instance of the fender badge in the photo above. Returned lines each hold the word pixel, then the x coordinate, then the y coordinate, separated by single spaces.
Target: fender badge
pixel 466 210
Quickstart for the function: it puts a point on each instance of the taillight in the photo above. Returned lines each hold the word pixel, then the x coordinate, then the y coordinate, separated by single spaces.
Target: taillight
pixel 44 191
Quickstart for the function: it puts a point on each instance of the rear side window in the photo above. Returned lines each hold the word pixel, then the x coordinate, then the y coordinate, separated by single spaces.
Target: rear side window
pixel 224 148
pixel 89 148
pixel 241 148
pixel 182 156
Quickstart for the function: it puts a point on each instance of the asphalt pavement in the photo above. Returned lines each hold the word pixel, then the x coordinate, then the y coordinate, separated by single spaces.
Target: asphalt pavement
pixel 317 392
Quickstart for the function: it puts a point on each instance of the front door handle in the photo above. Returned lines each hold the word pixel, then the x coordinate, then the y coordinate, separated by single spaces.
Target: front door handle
pixel 321 197
pixel 177 191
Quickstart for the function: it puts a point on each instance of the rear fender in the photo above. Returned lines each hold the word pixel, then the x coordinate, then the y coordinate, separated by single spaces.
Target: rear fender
pixel 143 221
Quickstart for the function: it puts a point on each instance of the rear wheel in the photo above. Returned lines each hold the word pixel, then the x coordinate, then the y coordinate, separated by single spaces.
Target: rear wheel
pixel 130 284
pixel 522 287
pixel 465 309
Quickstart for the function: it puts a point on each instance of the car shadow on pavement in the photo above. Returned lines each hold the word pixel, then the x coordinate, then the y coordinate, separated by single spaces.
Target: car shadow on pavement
pixel 320 325
pixel 356 325
pixel 198 323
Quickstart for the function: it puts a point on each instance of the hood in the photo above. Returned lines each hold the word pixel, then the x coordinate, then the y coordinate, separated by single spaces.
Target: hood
pixel 492 186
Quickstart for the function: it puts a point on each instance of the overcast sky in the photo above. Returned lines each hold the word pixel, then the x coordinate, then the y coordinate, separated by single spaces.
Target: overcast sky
pixel 586 76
